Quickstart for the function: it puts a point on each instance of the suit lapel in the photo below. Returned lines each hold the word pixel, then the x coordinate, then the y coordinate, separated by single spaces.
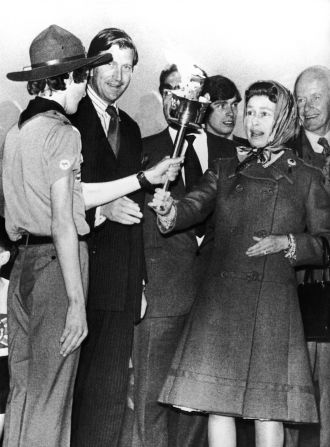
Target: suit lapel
pixel 308 153
pixel 92 124
pixel 219 147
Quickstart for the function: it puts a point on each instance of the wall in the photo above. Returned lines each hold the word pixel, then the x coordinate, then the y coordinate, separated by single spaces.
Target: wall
pixel 245 40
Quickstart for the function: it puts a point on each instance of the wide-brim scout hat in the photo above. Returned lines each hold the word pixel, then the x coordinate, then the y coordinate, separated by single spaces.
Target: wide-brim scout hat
pixel 56 51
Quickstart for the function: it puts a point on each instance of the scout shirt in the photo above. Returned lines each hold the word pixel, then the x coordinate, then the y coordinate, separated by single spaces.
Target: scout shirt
pixel 38 152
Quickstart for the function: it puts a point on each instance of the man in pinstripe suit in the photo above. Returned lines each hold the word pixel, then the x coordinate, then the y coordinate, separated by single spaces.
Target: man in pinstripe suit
pixel 111 148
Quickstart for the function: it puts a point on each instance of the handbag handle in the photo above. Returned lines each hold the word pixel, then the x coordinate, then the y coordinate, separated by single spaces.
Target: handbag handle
pixel 309 272
pixel 326 258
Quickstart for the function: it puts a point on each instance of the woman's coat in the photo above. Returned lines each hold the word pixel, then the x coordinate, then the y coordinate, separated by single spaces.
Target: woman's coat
pixel 243 352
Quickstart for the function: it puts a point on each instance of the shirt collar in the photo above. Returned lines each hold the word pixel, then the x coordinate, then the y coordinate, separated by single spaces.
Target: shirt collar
pixel 41 105
pixel 313 138
pixel 99 104
pixel 174 131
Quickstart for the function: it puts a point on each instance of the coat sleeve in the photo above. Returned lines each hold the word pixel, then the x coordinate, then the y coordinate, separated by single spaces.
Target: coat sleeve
pixel 198 204
pixel 309 245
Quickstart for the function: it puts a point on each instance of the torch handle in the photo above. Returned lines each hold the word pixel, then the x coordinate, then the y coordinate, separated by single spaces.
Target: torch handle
pixel 177 149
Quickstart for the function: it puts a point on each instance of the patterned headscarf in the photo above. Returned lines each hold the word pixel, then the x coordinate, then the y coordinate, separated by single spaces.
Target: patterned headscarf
pixel 285 120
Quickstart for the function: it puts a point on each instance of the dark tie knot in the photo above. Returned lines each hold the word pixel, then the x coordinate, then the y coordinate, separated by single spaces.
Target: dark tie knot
pixel 190 139
pixel 324 143
pixel 112 111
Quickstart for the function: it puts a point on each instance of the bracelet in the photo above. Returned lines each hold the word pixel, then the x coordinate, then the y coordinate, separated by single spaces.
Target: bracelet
pixel 144 182
pixel 167 222
pixel 291 251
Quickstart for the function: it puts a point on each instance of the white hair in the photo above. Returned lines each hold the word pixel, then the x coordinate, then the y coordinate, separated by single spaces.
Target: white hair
pixel 314 72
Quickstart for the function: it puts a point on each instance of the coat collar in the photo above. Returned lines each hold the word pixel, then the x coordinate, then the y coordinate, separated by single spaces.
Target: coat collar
pixel 281 168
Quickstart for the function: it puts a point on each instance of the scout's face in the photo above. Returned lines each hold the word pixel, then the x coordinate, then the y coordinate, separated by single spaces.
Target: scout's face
pixel 259 120
pixel 313 99
pixel 222 118
pixel 111 80
pixel 74 93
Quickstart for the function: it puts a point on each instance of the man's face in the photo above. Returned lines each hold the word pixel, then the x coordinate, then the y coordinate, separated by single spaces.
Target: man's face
pixel 313 98
pixel 173 79
pixel 111 80
pixel 222 118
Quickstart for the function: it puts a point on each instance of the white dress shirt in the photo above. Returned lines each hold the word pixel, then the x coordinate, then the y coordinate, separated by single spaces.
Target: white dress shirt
pixel 200 146
pixel 313 138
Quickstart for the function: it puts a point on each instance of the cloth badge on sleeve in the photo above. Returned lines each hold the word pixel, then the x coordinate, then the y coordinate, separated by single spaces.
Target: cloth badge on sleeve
pixel 65 164
pixel 3 331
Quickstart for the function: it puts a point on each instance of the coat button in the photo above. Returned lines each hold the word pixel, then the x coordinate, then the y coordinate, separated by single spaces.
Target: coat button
pixel 261 233
pixel 268 191
pixel 239 188
pixel 252 276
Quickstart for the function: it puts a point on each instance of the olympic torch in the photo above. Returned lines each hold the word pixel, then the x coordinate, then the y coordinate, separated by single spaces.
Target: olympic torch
pixel 185 108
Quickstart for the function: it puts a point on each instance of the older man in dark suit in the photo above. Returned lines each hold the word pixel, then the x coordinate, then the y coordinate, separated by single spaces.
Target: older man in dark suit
pixel 312 92
pixel 111 149
pixel 172 279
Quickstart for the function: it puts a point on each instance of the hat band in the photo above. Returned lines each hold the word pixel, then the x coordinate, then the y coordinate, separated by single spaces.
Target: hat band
pixel 58 61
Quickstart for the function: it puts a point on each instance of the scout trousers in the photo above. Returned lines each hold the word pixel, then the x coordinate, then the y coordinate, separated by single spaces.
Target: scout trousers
pixel 41 380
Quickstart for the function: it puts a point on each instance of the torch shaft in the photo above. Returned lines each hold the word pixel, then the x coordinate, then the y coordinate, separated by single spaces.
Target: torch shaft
pixel 177 149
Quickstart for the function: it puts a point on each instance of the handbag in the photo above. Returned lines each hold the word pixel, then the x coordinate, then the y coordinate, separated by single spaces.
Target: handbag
pixel 314 300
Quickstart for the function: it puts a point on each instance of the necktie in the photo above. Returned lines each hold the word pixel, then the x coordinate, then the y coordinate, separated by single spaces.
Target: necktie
pixel 326 147
pixel 193 172
pixel 192 167
pixel 113 130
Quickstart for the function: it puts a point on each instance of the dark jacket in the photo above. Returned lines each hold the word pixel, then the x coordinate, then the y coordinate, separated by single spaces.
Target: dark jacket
pixel 116 251
pixel 304 150
pixel 220 147
pixel 170 290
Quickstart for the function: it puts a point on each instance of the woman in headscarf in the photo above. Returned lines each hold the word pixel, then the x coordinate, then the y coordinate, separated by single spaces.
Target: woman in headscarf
pixel 243 352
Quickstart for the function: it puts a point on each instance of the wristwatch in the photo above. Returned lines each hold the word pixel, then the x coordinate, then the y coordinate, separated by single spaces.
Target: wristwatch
pixel 144 182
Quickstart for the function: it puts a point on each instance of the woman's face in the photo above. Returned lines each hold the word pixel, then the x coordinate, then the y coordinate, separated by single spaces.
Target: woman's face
pixel 259 120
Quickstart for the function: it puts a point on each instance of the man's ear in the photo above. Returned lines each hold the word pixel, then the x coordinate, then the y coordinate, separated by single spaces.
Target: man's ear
pixel 207 96
pixel 69 80
pixel 91 72
pixel 4 257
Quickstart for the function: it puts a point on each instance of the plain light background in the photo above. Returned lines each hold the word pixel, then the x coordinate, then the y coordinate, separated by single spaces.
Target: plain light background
pixel 245 40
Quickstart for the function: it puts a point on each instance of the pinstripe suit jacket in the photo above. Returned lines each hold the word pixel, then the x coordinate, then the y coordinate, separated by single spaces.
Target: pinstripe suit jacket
pixel 116 251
